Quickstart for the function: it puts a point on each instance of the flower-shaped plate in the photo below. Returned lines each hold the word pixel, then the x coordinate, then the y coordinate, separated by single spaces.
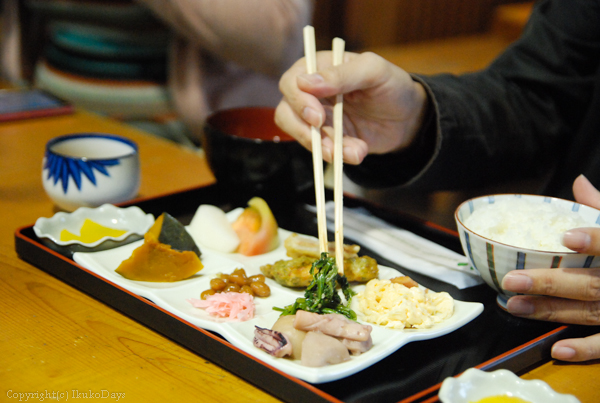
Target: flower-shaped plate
pixel 474 385
pixel 132 219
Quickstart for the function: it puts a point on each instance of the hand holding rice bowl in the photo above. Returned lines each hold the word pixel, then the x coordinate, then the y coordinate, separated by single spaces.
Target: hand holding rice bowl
pixel 505 232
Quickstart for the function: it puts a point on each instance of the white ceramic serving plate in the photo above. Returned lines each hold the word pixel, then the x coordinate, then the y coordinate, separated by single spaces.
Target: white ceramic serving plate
pixel 173 298
pixel 474 385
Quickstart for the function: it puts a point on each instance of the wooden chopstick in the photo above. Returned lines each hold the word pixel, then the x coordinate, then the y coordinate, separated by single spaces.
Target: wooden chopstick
pixel 338 133
pixel 338 46
pixel 317 152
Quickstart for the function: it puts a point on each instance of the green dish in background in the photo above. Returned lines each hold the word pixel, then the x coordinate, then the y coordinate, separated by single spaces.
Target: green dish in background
pixel 109 42
pixel 151 70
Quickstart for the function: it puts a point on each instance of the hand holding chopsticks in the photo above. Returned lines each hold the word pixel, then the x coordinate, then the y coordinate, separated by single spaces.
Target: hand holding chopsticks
pixel 311 66
pixel 322 295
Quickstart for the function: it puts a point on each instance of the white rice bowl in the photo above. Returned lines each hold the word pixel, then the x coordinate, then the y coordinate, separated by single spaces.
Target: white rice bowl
pixel 525 223
pixel 505 232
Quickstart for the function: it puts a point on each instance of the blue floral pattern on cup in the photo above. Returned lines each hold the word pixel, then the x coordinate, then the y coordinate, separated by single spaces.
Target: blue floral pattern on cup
pixel 61 168
pixel 90 169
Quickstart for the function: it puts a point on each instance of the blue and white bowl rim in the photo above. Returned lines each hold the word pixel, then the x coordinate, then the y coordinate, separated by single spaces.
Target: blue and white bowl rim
pixel 546 199
pixel 66 137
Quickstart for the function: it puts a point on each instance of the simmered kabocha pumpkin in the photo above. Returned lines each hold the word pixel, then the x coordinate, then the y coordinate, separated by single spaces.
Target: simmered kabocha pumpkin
pixel 168 254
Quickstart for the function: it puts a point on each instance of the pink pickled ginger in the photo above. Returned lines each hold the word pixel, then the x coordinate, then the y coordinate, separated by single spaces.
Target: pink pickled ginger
pixel 234 306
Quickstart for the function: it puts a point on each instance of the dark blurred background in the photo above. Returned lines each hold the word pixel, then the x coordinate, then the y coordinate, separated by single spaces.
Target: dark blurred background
pixel 426 37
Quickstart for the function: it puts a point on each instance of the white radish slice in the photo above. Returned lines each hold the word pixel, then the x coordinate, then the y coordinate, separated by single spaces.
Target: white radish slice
pixel 211 228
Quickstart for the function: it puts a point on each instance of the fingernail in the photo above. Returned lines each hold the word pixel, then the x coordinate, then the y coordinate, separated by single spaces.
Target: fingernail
pixel 311 78
pixel 312 117
pixel 351 155
pixel 519 306
pixel 575 239
pixel 327 153
pixel 517 282
pixel 563 353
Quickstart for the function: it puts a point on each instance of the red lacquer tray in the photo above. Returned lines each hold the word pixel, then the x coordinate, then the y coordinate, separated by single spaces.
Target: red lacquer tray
pixel 413 373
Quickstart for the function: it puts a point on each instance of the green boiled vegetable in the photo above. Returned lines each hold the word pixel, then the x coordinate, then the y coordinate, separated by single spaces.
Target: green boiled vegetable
pixel 321 295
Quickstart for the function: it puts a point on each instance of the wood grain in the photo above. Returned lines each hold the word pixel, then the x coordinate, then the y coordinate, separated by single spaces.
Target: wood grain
pixel 55 338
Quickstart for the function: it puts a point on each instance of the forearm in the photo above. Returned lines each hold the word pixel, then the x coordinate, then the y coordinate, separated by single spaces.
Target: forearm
pixel 264 35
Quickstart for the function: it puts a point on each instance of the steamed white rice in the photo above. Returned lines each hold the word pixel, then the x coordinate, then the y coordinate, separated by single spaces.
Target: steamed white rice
pixel 526 224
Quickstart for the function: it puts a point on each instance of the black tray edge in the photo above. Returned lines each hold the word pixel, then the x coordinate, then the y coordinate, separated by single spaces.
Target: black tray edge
pixel 519 360
pixel 290 389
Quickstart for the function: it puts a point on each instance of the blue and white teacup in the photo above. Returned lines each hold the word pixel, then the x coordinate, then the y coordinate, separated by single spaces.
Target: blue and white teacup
pixel 90 169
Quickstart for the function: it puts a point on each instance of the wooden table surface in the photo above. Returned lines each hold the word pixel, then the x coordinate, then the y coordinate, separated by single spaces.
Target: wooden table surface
pixel 55 339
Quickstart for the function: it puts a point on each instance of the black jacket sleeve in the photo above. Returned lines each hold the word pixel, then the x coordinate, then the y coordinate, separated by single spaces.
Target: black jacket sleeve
pixel 511 120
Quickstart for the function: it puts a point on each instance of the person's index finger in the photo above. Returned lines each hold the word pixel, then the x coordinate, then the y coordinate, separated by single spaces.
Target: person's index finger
pixel 576 283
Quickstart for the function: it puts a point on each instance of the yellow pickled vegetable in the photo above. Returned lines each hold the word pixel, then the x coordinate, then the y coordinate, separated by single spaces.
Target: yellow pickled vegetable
pixel 501 399
pixel 91 232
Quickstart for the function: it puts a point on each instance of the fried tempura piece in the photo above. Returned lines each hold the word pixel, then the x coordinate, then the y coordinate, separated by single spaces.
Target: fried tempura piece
pixel 298 245
pixel 290 273
pixel 361 269
pixel 296 272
